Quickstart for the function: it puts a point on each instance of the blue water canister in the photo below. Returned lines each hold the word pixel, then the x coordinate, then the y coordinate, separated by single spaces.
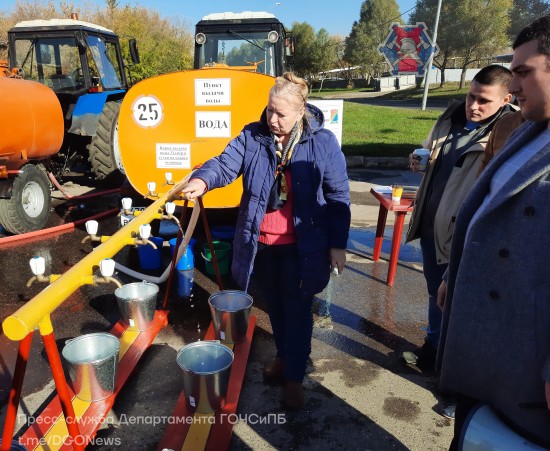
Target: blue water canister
pixel 185 268
pixel 185 282
pixel 187 259
pixel 149 257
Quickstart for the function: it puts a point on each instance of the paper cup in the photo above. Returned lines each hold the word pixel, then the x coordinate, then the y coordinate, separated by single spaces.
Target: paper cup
pixel 424 156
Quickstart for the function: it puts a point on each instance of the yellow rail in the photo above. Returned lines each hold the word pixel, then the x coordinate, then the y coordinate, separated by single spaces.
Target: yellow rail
pixel 18 325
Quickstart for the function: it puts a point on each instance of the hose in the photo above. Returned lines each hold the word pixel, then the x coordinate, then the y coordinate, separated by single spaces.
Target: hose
pixel 56 229
pixel 83 196
pixel 181 249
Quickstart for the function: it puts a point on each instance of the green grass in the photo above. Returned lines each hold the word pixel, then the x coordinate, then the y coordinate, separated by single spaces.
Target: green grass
pixel 376 131
pixel 447 92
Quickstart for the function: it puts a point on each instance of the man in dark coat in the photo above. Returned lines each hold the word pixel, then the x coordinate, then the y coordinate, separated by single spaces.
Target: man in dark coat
pixel 495 342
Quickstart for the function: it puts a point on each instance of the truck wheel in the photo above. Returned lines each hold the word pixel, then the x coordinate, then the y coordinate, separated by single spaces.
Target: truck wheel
pixel 101 150
pixel 28 209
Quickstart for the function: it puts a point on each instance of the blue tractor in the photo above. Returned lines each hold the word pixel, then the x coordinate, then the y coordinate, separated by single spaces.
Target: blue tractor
pixel 83 64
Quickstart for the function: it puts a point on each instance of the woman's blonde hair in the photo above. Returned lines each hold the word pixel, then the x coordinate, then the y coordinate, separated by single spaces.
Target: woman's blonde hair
pixel 293 88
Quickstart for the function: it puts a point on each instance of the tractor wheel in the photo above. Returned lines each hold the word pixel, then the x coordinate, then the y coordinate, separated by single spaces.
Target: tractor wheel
pixel 28 209
pixel 101 151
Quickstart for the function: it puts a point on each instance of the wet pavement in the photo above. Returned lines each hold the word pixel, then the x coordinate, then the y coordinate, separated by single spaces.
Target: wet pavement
pixel 359 393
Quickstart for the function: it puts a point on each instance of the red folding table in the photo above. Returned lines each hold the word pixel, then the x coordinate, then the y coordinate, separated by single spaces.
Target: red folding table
pixel 400 209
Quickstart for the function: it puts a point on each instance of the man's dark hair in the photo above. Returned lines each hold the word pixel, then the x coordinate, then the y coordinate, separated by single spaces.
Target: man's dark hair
pixel 494 74
pixel 539 30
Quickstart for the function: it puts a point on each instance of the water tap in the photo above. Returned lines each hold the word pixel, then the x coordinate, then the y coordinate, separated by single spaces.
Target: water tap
pixel 126 206
pixel 107 269
pixel 144 234
pixel 151 186
pixel 168 181
pixel 38 268
pixel 91 228
pixel 169 208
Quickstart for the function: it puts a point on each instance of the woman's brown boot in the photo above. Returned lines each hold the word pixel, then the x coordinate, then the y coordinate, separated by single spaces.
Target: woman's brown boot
pixel 273 372
pixel 293 395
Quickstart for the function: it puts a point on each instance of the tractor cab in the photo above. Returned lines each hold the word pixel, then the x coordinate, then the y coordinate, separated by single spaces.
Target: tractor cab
pixel 83 64
pixel 67 55
pixel 71 57
pixel 250 41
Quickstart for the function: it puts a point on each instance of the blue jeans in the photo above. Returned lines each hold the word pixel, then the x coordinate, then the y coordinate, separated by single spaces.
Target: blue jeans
pixel 277 269
pixel 433 274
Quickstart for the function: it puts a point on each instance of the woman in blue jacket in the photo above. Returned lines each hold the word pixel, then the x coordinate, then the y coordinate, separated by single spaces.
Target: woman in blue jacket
pixel 293 221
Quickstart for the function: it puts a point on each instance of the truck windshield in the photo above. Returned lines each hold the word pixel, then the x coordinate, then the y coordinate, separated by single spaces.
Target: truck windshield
pixel 102 59
pixel 54 62
pixel 243 50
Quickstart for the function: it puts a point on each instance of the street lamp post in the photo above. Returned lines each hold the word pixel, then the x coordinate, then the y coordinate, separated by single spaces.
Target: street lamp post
pixel 430 59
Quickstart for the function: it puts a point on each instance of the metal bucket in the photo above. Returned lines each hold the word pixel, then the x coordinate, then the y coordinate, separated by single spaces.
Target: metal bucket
pixel 93 362
pixel 137 302
pixel 206 367
pixel 230 311
pixel 485 430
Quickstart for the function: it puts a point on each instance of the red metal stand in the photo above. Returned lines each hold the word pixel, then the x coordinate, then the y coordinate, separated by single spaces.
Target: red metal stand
pixel 218 431
pixel 400 209
pixel 96 411
pixel 15 392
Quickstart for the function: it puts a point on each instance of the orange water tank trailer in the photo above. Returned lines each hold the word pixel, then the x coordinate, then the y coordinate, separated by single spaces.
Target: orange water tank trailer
pixel 173 122
pixel 4 68
pixel 31 122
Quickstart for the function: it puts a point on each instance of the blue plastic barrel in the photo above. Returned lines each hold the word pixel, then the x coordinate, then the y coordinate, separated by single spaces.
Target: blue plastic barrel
pixel 150 258
pixel 223 233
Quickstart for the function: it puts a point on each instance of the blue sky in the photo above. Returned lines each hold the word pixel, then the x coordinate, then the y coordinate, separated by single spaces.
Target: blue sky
pixel 335 16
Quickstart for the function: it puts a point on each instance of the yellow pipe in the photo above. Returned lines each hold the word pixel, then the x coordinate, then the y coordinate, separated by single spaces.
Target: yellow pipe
pixel 18 325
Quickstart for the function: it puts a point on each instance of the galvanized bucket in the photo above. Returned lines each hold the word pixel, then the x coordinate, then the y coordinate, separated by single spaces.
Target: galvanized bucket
pixel 137 302
pixel 485 430
pixel 230 311
pixel 93 362
pixel 206 367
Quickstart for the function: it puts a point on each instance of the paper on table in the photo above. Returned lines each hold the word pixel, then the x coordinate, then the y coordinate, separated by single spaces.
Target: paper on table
pixel 382 189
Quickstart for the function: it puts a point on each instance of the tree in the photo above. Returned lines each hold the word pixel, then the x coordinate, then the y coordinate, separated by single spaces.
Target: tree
pixel 112 4
pixel 324 54
pixel 524 12
pixel 164 45
pixel 315 52
pixel 469 30
pixel 486 34
pixel 376 17
pixel 305 43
